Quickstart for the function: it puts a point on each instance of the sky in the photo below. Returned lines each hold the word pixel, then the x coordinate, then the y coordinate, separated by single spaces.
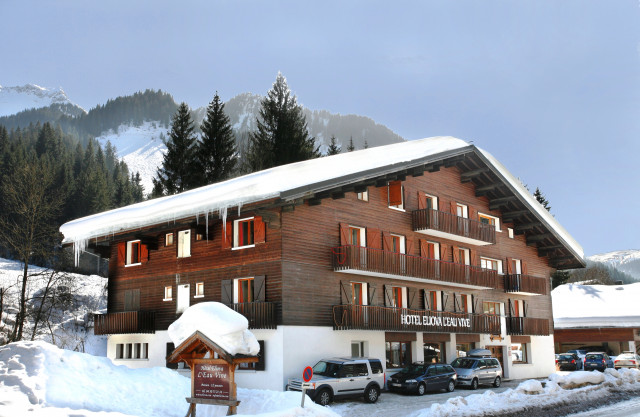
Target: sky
pixel 551 88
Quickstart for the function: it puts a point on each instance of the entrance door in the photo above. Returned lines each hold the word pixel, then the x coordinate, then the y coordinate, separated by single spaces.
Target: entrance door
pixel 496 352
pixel 183 298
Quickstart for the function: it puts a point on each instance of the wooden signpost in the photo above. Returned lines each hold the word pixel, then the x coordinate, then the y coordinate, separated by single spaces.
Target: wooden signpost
pixel 212 378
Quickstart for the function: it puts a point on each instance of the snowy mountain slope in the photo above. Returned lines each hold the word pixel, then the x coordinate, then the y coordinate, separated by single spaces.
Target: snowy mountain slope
pixel 17 99
pixel 627 261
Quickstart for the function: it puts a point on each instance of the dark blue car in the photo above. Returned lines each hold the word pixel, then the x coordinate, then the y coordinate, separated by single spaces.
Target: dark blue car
pixel 421 377
pixel 597 360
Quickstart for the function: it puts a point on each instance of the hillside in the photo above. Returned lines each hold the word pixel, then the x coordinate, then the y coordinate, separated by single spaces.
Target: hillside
pixel 627 261
pixel 30 96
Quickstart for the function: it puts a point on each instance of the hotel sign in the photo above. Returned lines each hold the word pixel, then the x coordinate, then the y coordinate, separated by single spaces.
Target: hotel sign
pixel 211 380
pixel 434 321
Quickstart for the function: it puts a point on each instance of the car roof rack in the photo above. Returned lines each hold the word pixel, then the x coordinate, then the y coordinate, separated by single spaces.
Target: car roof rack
pixel 479 353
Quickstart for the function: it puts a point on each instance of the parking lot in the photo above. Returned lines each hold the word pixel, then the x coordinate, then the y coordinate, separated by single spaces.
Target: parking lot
pixel 392 404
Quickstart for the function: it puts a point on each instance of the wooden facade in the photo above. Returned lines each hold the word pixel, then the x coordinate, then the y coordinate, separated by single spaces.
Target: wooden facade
pixel 301 253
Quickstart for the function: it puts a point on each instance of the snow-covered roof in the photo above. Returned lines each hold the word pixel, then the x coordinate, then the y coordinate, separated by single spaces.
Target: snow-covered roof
pixel 294 181
pixel 582 306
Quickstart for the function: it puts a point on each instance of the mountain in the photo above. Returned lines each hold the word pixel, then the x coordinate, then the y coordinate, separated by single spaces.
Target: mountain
pixel 30 96
pixel 627 261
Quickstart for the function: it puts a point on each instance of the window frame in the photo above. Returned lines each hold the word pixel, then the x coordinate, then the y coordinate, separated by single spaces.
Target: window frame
pixel 434 200
pixel 362 235
pixel 363 196
pixel 401 294
pixel 496 305
pixel 363 293
pixel 401 206
pixel 169 239
pixel 498 264
pixel 237 290
pixel 524 348
pixel 168 290
pixel 236 233
pixel 132 351
pixel 496 220
pixel 199 290
pixel 184 249
pixel 465 210
pixel 401 243
pixel 405 353
pixel 129 251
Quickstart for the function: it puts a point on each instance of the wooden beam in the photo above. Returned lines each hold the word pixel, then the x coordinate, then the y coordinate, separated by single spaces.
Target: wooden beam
pixel 435 167
pixel 473 173
pixel 337 195
pixel 418 171
pixel 488 187
pixel 496 203
pixel 550 247
pixel 510 215
pixel 538 238
pixel 527 226
pixel 451 162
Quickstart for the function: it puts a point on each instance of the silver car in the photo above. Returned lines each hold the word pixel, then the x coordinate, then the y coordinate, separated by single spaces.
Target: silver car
pixel 478 368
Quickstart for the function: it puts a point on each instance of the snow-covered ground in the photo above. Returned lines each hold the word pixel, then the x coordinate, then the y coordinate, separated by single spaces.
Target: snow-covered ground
pixel 38 379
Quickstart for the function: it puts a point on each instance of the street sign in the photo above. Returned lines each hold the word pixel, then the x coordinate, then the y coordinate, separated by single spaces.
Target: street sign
pixel 307 374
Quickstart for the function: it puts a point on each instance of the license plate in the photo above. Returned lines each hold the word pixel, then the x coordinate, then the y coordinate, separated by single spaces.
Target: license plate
pixel 396 385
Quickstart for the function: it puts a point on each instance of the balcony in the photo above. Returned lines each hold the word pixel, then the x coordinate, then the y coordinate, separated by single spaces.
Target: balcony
pixel 449 226
pixel 527 326
pixel 375 262
pixel 261 315
pixel 525 284
pixel 360 317
pixel 127 322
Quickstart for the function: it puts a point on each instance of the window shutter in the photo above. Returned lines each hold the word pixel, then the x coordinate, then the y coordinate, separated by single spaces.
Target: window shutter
pixel 509 265
pixel 128 300
pixel 144 253
pixel 371 292
pixel 258 230
pixel 386 241
pixel 227 291
pixel 408 243
pixel 344 234
pixel 136 300
pixel 444 252
pixel 262 355
pixel 422 200
pixel 425 299
pixel 524 309
pixel 258 287
pixel 345 293
pixel 523 267
pixel 444 300
pixel 373 239
pixel 473 255
pixel 411 295
pixel 473 214
pixel 511 308
pixel 227 235
pixel 454 208
pixel 456 255
pixel 388 296
pixel 122 253
pixel 395 193
pixel 186 249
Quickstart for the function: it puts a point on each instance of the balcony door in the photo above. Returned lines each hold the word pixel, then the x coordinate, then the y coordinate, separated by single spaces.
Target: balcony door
pixel 183 298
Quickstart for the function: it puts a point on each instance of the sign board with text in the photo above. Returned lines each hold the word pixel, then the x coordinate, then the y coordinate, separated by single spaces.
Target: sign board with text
pixel 211 380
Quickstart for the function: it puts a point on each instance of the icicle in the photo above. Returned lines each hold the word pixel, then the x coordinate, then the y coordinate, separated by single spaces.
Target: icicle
pixel 206 224
pixel 223 216
pixel 78 247
pixel 239 208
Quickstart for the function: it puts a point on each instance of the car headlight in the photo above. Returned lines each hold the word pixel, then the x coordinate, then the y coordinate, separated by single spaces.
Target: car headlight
pixel 410 381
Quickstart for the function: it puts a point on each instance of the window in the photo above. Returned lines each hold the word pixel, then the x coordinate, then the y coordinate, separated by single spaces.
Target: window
pixel 184 243
pixel 357 349
pixel 398 297
pixel 397 243
pixel 133 253
pixel 463 348
pixel 168 293
pixel 132 351
pixel 243 235
pixel 432 202
pixel 461 256
pixel 429 249
pixel 359 293
pixel 519 353
pixel 487 219
pixel 199 290
pixel 182 303
pixel 510 230
pixel 398 354
pixel 244 290
pixel 357 236
pixel 490 307
pixel 433 300
pixel 395 194
pixel 518 308
pixel 168 239
pixel 516 266
pixel 199 236
pixel 465 303
pixel 363 196
pixel 492 264
pixel 256 366
pixel 462 210
pixel 434 352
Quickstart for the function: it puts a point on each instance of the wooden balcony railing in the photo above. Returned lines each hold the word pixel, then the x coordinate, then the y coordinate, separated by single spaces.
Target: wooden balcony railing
pixel 528 326
pixel 525 283
pixel 377 261
pixel 361 317
pixel 261 315
pixel 124 323
pixel 450 223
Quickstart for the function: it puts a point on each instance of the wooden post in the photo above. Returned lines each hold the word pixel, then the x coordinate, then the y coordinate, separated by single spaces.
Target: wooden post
pixel 233 410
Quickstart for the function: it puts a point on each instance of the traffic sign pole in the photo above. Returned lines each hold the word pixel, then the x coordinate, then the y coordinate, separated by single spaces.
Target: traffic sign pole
pixel 307 374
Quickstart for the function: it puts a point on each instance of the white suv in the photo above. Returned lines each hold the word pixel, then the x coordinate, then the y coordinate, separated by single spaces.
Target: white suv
pixel 343 377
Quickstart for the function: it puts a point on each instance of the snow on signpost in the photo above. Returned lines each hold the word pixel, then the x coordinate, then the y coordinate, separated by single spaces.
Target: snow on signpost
pixel 204 331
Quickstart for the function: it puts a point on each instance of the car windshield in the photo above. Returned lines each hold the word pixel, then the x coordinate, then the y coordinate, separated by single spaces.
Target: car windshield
pixel 626 356
pixel 326 368
pixel 463 363
pixel 566 357
pixel 593 356
pixel 415 369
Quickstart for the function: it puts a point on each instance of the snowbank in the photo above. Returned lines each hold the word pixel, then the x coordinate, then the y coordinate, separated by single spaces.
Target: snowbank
pixel 38 379
pixel 595 306
pixel 219 323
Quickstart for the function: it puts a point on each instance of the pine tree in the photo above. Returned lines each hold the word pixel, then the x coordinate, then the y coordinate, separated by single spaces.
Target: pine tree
pixel 366 144
pixel 334 148
pixel 541 199
pixel 177 173
pixel 217 153
pixel 351 148
pixel 282 136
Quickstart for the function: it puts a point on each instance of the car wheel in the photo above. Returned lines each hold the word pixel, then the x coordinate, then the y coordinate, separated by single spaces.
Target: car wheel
pixel 421 389
pixel 451 386
pixel 497 382
pixel 323 397
pixel 371 394
pixel 474 384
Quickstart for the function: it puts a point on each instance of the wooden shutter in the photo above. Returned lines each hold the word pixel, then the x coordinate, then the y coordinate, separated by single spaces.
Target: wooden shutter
pixel 456 255
pixel 262 355
pixel 344 234
pixel 524 309
pixel 259 230
pixel 128 300
pixel 395 193
pixel 445 300
pixel 227 291
pixel 424 248
pixel 408 246
pixel 259 288
pixel 386 241
pixel 425 299
pixel 371 293
pixel 473 257
pixel 373 239
pixel 454 207
pixel 144 253
pixel 388 295
pixel 523 267
pixel 444 252
pixel 511 308
pixel 473 214
pixel 422 200
pixel 411 295
pixel 227 235
pixel 122 253
pixel 509 265
pixel 346 296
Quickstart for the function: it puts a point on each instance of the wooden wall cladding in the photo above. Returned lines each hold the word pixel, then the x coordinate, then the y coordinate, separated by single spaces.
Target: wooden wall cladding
pixel 594 335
